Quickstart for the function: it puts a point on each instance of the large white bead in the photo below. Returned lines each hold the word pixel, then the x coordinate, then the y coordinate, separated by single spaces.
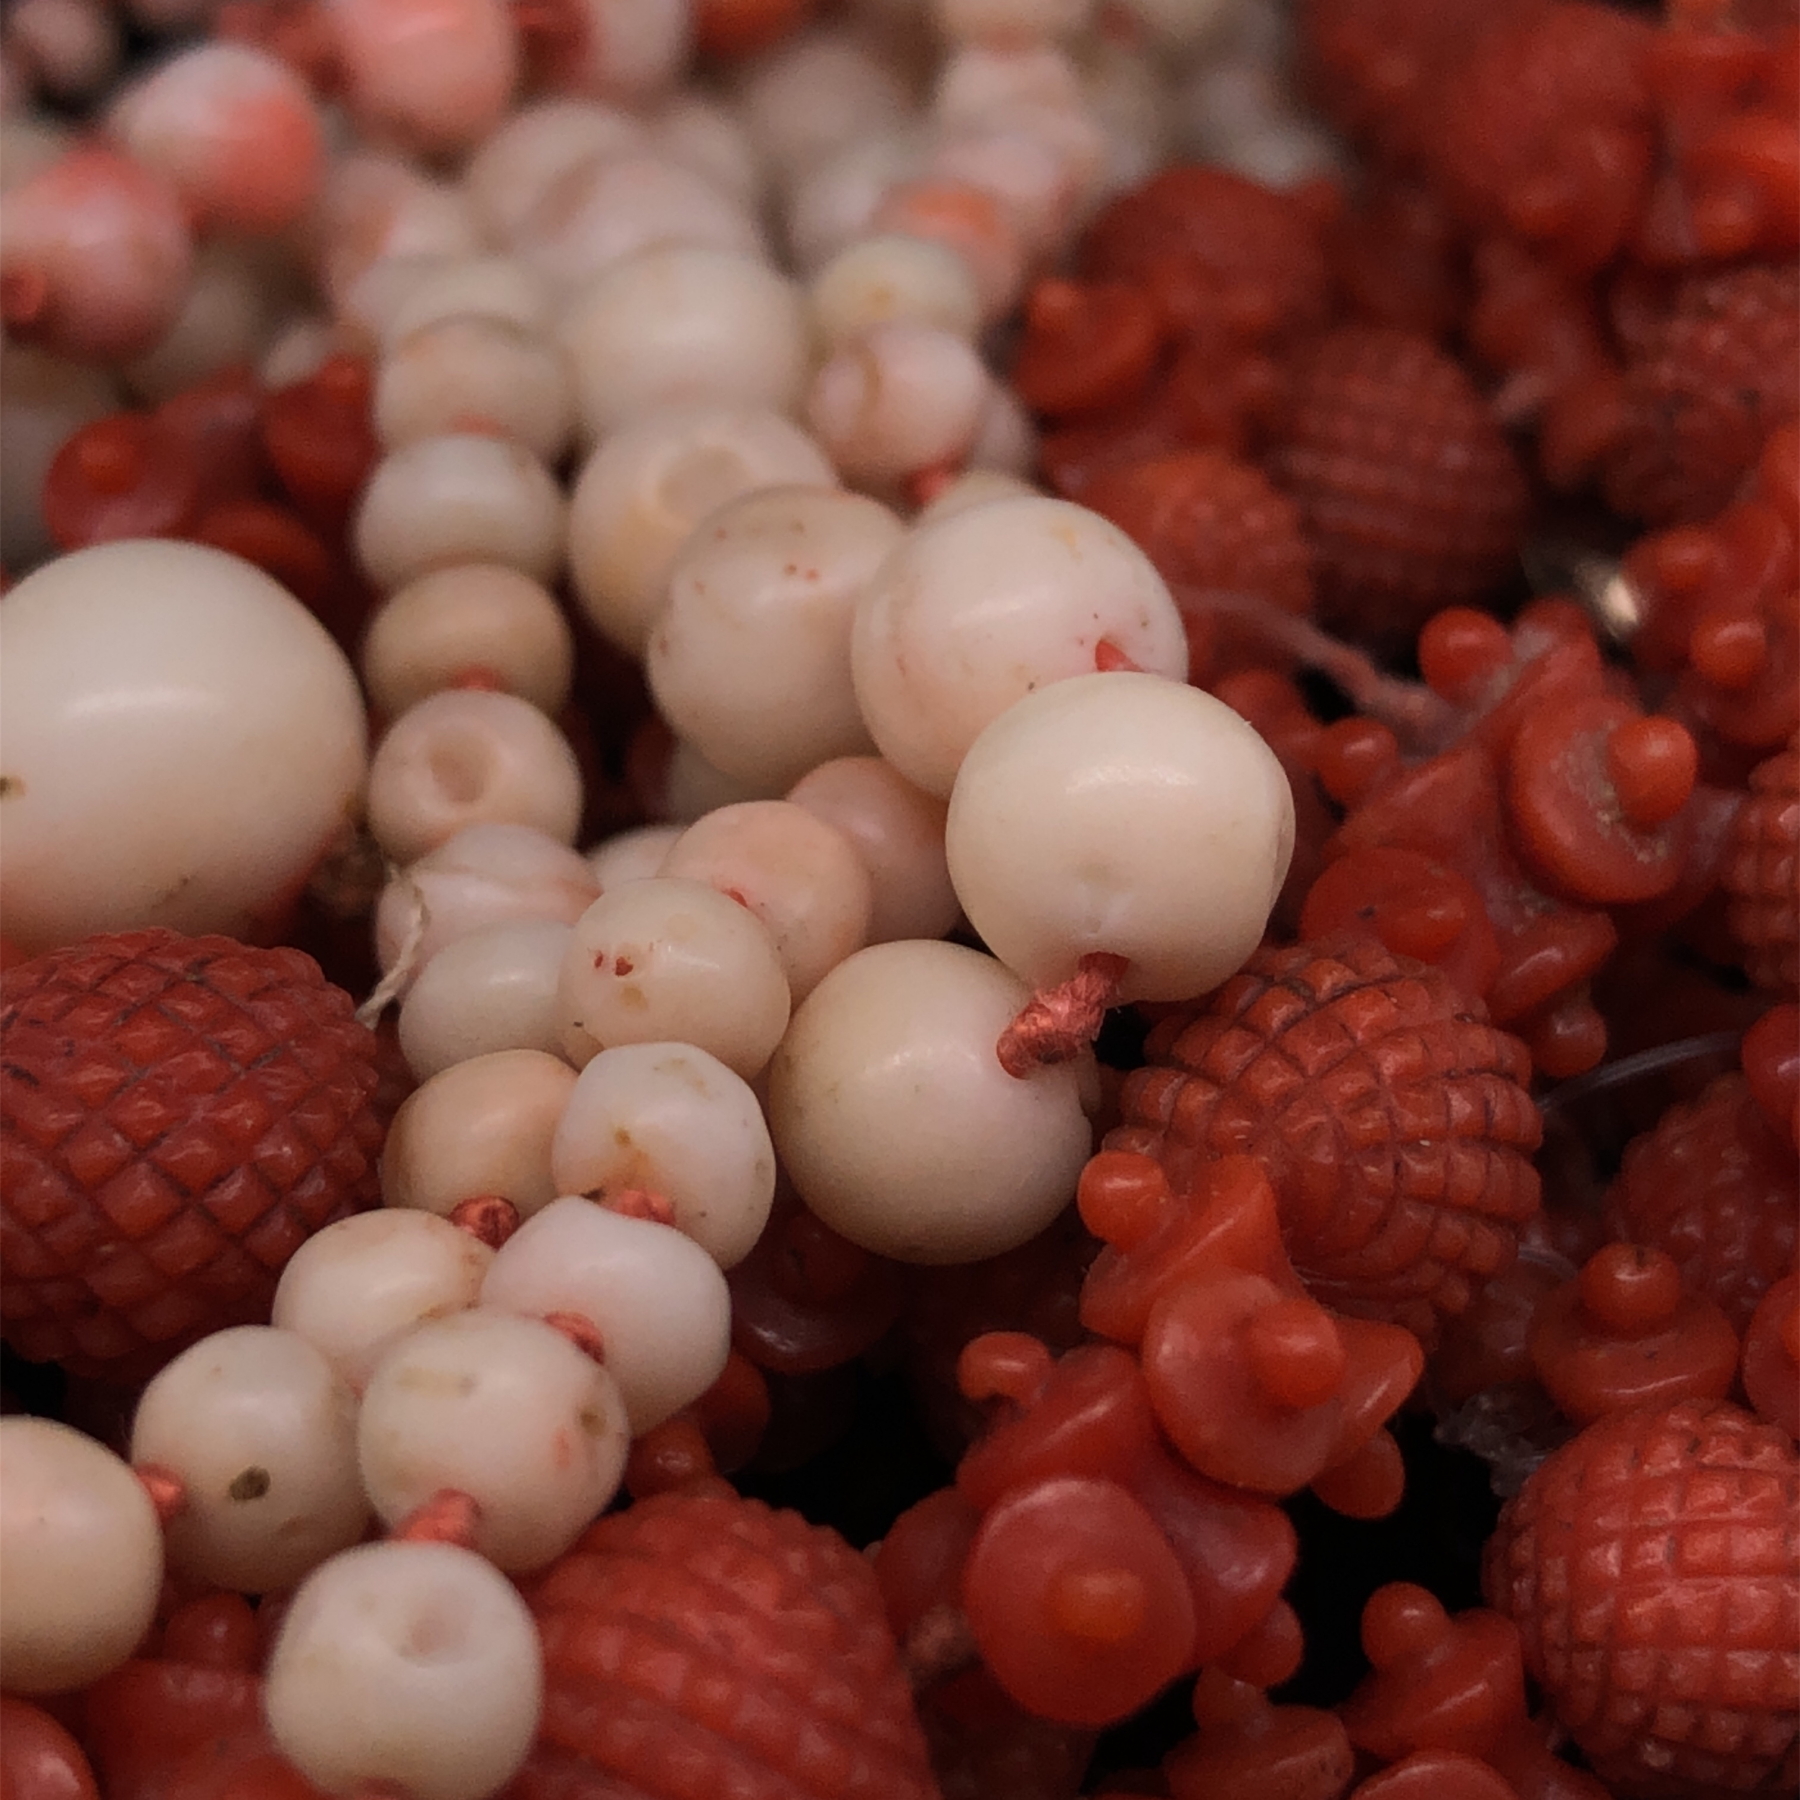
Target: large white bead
pixel 81 1558
pixel 900 1129
pixel 1121 813
pixel 183 742
pixel 415 1664
pixel 493 989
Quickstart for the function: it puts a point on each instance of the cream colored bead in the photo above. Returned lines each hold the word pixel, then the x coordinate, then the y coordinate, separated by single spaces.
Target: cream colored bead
pixel 1040 163
pixel 376 207
pixel 750 660
pixel 459 498
pixel 484 874
pixel 834 202
pixel 493 989
pixel 225 318
pixel 971 488
pixel 520 166
pixel 978 80
pixel 706 135
pixel 298 349
pixel 468 373
pixel 692 787
pixel 887 280
pixel 668 1119
pixel 898 831
pixel 467 756
pixel 633 855
pixel 1005 440
pixel 498 288
pixel 482 1126
pixel 353 1288
pixel 651 483
pixel 801 877
pixel 628 50
pixel 81 1558
pixel 983 606
pixel 817 92
pixel 658 1301
pixel 261 1432
pixel 673 961
pixel 183 744
pixel 506 1410
pixel 474 619
pixel 415 1664
pixel 1121 813
pixel 900 1129
pixel 1011 19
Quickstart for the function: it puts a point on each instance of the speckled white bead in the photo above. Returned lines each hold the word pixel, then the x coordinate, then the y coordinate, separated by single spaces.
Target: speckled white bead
pixel 493 989
pixel 879 280
pixel 468 373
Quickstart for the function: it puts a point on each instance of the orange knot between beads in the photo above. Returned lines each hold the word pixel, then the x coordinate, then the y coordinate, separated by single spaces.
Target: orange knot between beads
pixel 583 1333
pixel 448 1517
pixel 641 1203
pixel 1063 1020
pixel 167 1491
pixel 490 1217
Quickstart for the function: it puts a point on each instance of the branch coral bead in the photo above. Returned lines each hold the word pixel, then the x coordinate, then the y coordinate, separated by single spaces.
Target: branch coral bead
pixel 182 1114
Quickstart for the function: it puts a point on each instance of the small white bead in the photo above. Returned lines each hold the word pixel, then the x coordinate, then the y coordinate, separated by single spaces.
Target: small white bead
pixel 878 280
pixel 657 1299
pixel 1121 813
pixel 459 497
pixel 262 1434
pixel 898 831
pixel 817 92
pixel 467 756
pixel 376 207
pixel 467 373
pixel 651 483
pixel 354 1287
pixel 801 877
pixel 684 324
pixel 750 660
pixel 630 50
pixel 633 855
pixel 473 619
pixel 980 607
pixel 900 1129
pixel 971 488
pixel 1005 439
pixel 523 162
pixel 834 201
pixel 411 1663
pixel 298 349
pixel 498 288
pixel 707 136
pixel 505 1410
pixel 481 1126
pixel 224 319
pixel 671 1120
pixel 482 875
pixel 673 961
pixel 81 1558
pixel 493 989
pixel 978 80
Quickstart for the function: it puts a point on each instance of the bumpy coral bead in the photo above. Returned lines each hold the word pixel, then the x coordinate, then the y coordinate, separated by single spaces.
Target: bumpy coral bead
pixel 1650 1565
pixel 182 1113
pixel 1392 1120
pixel 1762 874
pixel 1771 1372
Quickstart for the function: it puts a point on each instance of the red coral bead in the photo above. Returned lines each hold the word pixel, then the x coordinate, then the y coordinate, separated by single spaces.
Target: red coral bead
pixel 1762 874
pixel 181 1115
pixel 1652 1565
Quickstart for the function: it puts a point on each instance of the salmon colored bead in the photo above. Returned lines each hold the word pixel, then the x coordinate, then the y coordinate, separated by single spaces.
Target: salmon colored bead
pixel 1436 1775
pixel 120 477
pixel 218 421
pixel 1087 346
pixel 1771 1060
pixel 39 1760
pixel 1247 1749
pixel 279 544
pixel 321 439
pixel 1761 876
pixel 1771 1369
pixel 1462 653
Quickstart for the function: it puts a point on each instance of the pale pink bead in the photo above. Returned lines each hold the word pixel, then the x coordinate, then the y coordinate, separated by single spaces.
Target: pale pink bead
pixel 459 497
pixel 497 288
pixel 1038 163
pixel 658 1301
pixel 633 855
pixel 897 399
pixel 474 374
pixel 469 756
pixel 1005 441
pixel 95 254
pixel 651 483
pixel 47 401
pixel 482 1126
pixel 527 158
pixel 224 320
pixel 616 203
pixel 899 1127
pixel 978 80
pixel 353 1288
pixel 261 1433
pixel 666 961
pixel 1122 813
pixel 1010 20
pixel 880 280
pixel 973 224
pixel 975 610
pixel 833 203
pixel 670 1120
pixel 706 135
pixel 692 787
pixel 493 989
pixel 750 660
pixel 481 875
pixel 625 50
pixel 800 876
pixel 81 1558
pixel 685 324
pixel 234 130
pixel 817 93
pixel 476 624
pixel 412 1666
pixel 70 47
pixel 376 207
pixel 898 830
pixel 506 1410
pixel 435 75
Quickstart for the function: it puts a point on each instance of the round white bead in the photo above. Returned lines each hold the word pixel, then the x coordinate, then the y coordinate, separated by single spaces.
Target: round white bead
pixel 1121 813
pixel 411 1663
pixel 633 855
pixel 664 961
pixel 183 743
pixel 493 989
pixel 900 1129
pixel 671 1120
pixel 881 280
pixel 817 91
pixel 81 1558
pixel 354 1287
pixel 980 607
pixel 469 373
pixel 524 161
pixel 706 135
pixel 262 1433
pixel 497 288
pixel 658 1301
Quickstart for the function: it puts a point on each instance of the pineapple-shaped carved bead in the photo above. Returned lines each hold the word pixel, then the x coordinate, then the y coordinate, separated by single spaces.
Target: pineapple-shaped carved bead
pixel 1762 874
